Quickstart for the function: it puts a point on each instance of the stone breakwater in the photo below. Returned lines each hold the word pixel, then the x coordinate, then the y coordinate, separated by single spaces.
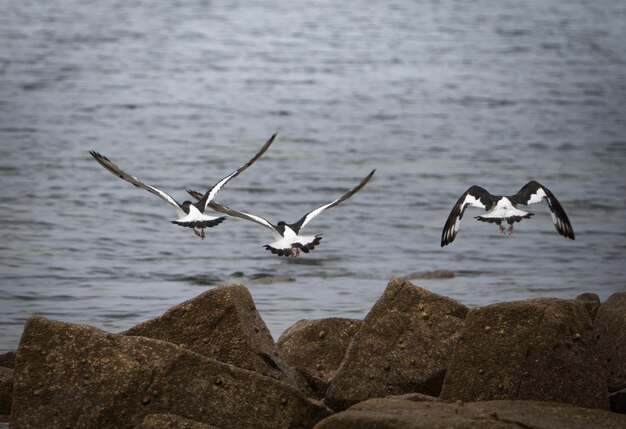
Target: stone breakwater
pixel 417 360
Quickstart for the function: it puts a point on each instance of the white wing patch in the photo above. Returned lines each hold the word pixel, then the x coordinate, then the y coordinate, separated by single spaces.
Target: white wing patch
pixel 195 215
pixel 537 197
pixel 472 201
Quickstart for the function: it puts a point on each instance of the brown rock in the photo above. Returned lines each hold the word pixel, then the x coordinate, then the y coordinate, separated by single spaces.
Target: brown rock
pixel 317 347
pixel 618 401
pixel 170 421
pixel 223 323
pixel 592 303
pixel 415 397
pixel 540 349
pixel 610 328
pixel 389 413
pixel 7 360
pixel 403 346
pixel 6 390
pixel 77 376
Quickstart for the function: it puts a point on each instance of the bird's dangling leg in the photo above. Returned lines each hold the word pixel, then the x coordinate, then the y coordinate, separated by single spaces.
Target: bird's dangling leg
pixel 295 252
pixel 198 233
pixel 502 229
pixel 510 229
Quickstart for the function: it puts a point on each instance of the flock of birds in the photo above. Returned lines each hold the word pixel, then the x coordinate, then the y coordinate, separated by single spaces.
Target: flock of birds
pixel 289 241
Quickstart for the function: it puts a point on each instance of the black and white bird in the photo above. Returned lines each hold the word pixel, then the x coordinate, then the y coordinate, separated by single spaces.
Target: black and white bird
pixel 504 209
pixel 190 215
pixel 288 242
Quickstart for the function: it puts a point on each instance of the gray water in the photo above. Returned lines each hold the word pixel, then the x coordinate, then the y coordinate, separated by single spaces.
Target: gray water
pixel 437 95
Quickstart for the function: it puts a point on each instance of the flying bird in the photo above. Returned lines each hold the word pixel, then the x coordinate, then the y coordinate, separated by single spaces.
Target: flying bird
pixel 190 215
pixel 504 209
pixel 288 241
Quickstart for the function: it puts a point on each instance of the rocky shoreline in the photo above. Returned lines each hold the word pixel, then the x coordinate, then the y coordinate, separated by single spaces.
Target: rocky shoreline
pixel 417 360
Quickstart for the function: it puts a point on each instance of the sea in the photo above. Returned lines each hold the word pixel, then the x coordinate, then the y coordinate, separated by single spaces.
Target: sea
pixel 436 95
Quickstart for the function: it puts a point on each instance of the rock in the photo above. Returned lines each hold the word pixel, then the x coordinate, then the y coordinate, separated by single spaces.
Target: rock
pixel 170 421
pixel 317 347
pixel 318 386
pixel 6 390
pixel 592 303
pixel 7 360
pixel 610 326
pixel 539 349
pixel 78 376
pixel 618 401
pixel 386 413
pixel 416 397
pixel 223 323
pixel 403 346
pixel 431 275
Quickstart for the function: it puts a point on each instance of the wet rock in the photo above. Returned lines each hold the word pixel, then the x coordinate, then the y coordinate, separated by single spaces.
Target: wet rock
pixel 618 401
pixel 404 345
pixel 391 413
pixel 77 376
pixel 610 328
pixel 591 301
pixel 6 390
pixel 317 347
pixel 431 275
pixel 170 421
pixel 223 323
pixel 539 349
pixel 7 360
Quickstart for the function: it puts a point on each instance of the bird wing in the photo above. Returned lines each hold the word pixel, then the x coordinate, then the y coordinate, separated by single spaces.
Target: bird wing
pixel 534 192
pixel 109 165
pixel 310 215
pixel 246 216
pixel 475 196
pixel 210 194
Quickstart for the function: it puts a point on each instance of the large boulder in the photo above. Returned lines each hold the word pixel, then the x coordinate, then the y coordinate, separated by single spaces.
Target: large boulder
pixel 6 390
pixel 591 301
pixel 7 359
pixel 77 376
pixel 170 421
pixel 610 325
pixel 539 349
pixel 404 345
pixel 391 413
pixel 316 348
pixel 222 323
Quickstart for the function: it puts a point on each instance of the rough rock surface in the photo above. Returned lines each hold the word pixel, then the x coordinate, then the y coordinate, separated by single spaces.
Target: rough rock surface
pixel 77 376
pixel 388 413
pixel 610 328
pixel 317 347
pixel 223 323
pixel 170 421
pixel 7 360
pixel 539 349
pixel 591 301
pixel 6 390
pixel 416 397
pixel 404 345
